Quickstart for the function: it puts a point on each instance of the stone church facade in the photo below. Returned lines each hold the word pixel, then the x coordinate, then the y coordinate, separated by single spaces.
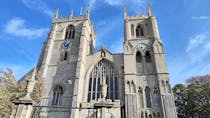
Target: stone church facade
pixel 83 83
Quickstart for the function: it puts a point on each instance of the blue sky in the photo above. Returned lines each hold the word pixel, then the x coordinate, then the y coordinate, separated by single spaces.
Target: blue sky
pixel 184 27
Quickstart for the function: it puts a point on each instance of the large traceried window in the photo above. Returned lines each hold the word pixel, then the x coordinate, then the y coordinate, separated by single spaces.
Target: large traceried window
pixel 57 92
pixel 103 72
pixel 70 32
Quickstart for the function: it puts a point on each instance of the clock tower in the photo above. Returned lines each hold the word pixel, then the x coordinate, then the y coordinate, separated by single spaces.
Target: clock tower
pixel 145 71
pixel 62 61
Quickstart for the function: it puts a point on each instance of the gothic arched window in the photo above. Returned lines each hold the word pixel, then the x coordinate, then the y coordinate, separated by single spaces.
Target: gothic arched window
pixel 70 32
pixel 57 92
pixel 103 72
pixel 148 57
pixel 139 31
pixel 148 97
pixel 138 57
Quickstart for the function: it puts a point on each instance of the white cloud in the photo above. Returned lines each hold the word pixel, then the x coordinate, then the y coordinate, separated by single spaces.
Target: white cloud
pixel 199 47
pixel 38 5
pixel 196 41
pixel 17 27
pixel 200 17
pixel 114 2
pixel 207 46
pixel 92 2
pixel 195 60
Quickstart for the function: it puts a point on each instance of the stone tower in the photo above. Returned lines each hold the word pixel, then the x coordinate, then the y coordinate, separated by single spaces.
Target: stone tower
pixel 62 63
pixel 147 90
pixel 83 83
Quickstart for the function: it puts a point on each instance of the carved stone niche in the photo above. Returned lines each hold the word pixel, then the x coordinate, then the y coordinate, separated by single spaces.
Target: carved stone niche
pixel 128 82
pixel 156 90
pixel 140 90
pixel 103 54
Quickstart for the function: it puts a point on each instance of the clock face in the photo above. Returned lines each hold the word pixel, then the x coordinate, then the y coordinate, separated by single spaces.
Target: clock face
pixel 66 44
pixel 142 46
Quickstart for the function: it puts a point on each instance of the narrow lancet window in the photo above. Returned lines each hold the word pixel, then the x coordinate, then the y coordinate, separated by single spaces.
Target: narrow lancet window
pixel 89 89
pixel 148 57
pixel 148 97
pixel 67 33
pixel 138 57
pixel 65 57
pixel 57 93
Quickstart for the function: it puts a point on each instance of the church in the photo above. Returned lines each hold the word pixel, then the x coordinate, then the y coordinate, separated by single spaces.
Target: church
pixel 83 83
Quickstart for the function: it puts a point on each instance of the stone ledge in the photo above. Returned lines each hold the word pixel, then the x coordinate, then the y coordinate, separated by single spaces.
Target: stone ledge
pixel 27 102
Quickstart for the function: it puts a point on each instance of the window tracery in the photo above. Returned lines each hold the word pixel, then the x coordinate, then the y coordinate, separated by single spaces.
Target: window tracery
pixel 70 32
pixel 103 72
pixel 139 31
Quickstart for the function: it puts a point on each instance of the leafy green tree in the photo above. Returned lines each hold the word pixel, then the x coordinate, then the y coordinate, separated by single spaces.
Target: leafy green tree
pixel 193 101
pixel 179 91
pixel 202 100
pixel 191 104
